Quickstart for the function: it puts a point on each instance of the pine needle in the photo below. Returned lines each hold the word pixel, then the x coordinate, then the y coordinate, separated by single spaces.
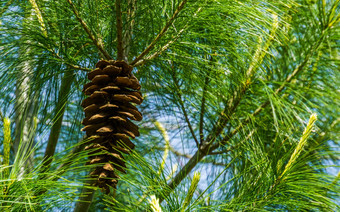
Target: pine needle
pixel 191 191
pixel 303 140
pixel 154 203
pixel 7 143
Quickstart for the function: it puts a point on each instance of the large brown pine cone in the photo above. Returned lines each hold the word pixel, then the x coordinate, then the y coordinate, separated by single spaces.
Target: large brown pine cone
pixel 109 107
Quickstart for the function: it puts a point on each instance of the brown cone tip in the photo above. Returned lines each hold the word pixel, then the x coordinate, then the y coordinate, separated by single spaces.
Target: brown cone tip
pixel 109 107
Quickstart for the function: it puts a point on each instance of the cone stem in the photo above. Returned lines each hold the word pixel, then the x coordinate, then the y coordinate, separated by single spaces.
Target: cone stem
pixel 120 49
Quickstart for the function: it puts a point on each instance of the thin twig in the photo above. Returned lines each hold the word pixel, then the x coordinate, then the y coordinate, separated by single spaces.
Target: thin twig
pixel 161 34
pixel 157 53
pixel 197 157
pixel 298 69
pixel 180 154
pixel 119 25
pixel 232 147
pixel 97 43
pixel 187 120
pixel 73 66
pixel 203 109
pixel 237 96
pixel 205 87
pixel 1 116
pixel 232 104
pixel 166 46
pixel 183 109
pixel 175 152
pixel 221 152
pixel 70 65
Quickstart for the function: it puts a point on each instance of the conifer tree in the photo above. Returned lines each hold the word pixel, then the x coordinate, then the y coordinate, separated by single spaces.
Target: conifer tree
pixel 239 99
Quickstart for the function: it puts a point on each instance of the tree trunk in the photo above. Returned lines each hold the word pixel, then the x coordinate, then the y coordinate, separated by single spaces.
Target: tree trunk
pixel 26 114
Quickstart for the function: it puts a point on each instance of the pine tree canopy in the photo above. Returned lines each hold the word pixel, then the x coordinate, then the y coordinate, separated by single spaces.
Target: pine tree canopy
pixel 169 105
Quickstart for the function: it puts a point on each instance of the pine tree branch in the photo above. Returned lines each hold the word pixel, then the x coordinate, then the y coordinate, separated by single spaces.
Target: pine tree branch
pixel 161 33
pixel 221 152
pixel 289 78
pixel 180 154
pixel 96 42
pixel 119 25
pixel 208 146
pixel 205 146
pixel 238 94
pixel 197 157
pixel 237 129
pixel 59 113
pixel 251 133
pixel 187 120
pixel 26 114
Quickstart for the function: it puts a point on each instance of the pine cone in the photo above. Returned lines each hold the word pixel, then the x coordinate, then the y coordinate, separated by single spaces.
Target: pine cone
pixel 109 107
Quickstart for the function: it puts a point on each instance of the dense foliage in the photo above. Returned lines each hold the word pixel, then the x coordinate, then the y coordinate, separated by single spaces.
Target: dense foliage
pixel 241 103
